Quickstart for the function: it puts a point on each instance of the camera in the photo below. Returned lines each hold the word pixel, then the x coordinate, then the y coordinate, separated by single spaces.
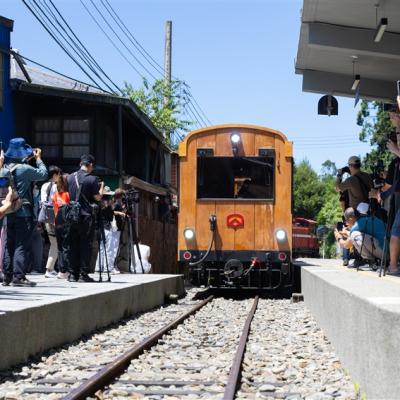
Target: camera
pixel 377 175
pixel 130 198
pixel 343 170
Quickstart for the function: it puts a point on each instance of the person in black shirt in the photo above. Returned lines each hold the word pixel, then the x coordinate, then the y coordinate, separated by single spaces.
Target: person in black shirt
pixel 81 234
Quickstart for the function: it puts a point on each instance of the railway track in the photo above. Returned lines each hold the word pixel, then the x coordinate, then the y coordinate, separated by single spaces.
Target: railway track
pixel 198 350
pixel 168 385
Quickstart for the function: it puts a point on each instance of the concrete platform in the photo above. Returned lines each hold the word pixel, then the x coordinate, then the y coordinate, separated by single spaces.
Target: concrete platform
pixel 56 312
pixel 360 314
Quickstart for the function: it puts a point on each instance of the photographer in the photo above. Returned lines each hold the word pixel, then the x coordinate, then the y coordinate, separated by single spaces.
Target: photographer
pixel 20 224
pixel 357 185
pixel 85 189
pixel 110 214
pixel 366 233
pixel 394 246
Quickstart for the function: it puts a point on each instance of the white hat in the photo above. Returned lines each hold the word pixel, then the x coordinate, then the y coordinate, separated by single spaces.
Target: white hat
pixel 363 208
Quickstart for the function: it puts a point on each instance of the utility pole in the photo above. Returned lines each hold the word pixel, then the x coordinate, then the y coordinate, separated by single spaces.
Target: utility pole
pixel 167 64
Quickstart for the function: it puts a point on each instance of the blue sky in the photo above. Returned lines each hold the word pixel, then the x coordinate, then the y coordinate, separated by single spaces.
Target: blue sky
pixel 237 55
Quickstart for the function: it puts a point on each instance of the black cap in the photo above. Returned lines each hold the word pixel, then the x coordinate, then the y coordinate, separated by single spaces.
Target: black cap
pixel 87 159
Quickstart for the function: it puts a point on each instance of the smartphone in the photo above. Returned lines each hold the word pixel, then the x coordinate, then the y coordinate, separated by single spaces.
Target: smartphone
pixel 339 226
pixel 398 88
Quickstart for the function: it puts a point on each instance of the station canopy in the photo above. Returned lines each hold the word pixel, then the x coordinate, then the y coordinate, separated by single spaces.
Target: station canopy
pixel 338 41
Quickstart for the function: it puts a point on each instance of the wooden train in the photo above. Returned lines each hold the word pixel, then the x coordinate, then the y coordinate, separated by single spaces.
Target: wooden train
pixel 305 241
pixel 235 211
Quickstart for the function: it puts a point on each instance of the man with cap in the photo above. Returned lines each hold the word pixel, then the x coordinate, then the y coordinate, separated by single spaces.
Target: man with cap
pixel 20 224
pixel 367 233
pixel 81 234
pixel 357 185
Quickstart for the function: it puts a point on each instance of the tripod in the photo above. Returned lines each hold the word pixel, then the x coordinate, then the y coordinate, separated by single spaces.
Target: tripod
pixel 102 242
pixel 132 241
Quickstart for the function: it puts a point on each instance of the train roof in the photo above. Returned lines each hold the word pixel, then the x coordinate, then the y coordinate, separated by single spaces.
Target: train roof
pixel 301 219
pixel 183 144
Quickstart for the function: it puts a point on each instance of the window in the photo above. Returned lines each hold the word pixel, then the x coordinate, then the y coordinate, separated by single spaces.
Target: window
pixel 62 138
pixel 235 178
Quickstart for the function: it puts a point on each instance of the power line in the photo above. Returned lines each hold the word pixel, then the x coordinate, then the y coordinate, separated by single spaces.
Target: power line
pixel 74 47
pixel 198 106
pixel 49 31
pixel 110 40
pixel 132 38
pixel 117 19
pixel 122 42
pixel 54 71
pixel 79 41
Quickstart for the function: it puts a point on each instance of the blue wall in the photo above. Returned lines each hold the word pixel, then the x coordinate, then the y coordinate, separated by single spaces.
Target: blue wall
pixel 7 129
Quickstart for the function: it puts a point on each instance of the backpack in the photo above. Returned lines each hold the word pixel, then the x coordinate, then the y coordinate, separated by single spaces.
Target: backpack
pixel 7 171
pixel 73 209
pixel 46 212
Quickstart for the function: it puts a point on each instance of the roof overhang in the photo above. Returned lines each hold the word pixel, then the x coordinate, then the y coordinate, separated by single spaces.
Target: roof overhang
pixel 90 97
pixel 337 41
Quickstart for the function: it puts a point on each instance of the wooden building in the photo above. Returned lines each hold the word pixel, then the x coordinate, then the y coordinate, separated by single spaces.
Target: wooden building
pixel 67 118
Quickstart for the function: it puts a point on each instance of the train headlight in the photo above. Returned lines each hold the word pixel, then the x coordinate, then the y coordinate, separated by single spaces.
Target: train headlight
pixel 235 138
pixel 280 235
pixel 188 233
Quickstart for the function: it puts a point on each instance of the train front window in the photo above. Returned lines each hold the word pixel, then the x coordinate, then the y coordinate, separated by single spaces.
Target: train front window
pixel 235 178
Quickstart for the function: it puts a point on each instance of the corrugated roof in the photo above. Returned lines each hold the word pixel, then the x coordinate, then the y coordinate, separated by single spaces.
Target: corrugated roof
pixel 44 78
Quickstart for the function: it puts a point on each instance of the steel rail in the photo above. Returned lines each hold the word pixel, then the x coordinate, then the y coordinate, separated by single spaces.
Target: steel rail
pixel 236 369
pixel 112 370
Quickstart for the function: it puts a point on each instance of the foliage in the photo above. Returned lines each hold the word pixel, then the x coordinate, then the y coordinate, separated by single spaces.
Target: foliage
pixel 308 191
pixel 315 197
pixel 165 114
pixel 328 168
pixel 375 127
pixel 330 213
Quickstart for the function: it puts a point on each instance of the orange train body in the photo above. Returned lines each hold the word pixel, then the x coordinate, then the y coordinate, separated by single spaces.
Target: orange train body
pixel 240 175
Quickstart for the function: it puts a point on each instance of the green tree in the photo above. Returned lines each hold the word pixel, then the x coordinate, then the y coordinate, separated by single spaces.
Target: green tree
pixel 308 191
pixel 328 169
pixel 375 127
pixel 164 105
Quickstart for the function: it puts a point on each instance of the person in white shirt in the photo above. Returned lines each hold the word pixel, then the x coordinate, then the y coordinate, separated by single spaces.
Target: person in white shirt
pixel 46 194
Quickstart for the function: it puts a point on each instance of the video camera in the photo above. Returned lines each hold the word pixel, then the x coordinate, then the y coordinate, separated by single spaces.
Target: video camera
pixel 130 198
pixel 377 175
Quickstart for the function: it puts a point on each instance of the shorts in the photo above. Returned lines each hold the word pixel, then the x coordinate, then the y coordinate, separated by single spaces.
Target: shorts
pixel 396 225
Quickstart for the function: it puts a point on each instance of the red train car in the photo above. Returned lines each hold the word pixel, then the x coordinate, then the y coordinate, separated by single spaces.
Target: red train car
pixel 305 241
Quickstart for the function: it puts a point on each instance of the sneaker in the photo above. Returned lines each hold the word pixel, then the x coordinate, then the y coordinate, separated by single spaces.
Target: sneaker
pixel 115 271
pixel 393 273
pixel 6 281
pixel 50 274
pixel 73 278
pixel 22 282
pixel 63 275
pixel 86 278
pixel 352 264
pixel 345 263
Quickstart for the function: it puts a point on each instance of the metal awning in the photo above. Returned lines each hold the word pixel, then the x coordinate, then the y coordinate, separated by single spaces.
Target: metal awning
pixel 337 42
